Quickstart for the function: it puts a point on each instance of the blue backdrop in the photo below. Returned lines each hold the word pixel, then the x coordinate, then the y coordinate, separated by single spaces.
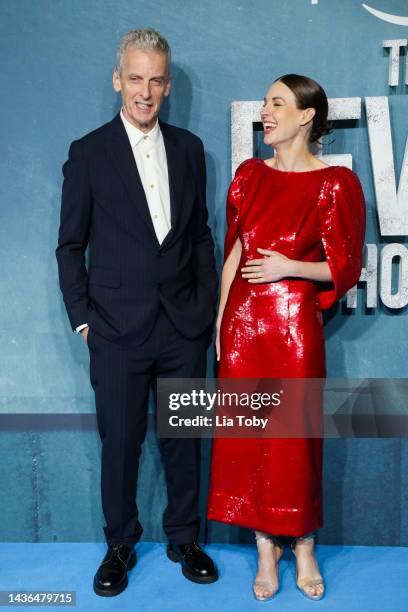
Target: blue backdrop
pixel 57 59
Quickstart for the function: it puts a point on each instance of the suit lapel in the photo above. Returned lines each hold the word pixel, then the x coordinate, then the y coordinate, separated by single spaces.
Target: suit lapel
pixel 121 154
pixel 175 165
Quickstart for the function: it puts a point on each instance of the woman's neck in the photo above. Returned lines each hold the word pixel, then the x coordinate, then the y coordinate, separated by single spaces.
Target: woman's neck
pixel 295 160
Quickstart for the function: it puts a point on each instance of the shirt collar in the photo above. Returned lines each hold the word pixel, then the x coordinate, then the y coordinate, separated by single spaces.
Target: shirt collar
pixel 135 135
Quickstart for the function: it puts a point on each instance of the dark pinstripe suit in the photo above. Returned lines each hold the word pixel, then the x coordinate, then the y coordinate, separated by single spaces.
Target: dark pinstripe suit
pixel 149 306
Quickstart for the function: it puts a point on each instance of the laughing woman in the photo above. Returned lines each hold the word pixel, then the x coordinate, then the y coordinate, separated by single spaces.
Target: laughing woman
pixel 293 247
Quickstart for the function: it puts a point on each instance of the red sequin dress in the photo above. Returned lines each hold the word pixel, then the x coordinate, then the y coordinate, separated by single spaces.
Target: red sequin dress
pixel 273 330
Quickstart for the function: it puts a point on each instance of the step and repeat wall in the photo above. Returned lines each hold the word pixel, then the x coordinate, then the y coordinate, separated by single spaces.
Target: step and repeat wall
pixel 57 59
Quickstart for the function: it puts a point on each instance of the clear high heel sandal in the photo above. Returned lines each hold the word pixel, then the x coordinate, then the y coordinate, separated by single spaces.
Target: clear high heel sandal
pixel 268 585
pixel 305 583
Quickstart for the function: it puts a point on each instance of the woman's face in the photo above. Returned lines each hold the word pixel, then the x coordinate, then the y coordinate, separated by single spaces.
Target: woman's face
pixel 282 120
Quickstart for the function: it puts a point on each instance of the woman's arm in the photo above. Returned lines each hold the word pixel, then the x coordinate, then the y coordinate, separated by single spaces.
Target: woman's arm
pixel 316 271
pixel 228 273
pixel 275 266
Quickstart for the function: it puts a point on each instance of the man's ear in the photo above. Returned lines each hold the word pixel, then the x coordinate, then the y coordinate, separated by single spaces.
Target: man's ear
pixel 168 87
pixel 116 81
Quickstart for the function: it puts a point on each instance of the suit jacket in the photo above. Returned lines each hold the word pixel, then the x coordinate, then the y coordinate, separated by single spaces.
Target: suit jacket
pixel 129 273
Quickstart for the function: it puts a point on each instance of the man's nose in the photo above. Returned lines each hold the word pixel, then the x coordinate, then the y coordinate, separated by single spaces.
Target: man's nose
pixel 146 90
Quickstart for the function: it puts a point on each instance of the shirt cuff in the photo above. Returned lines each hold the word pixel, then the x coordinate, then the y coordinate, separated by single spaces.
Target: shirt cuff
pixel 80 328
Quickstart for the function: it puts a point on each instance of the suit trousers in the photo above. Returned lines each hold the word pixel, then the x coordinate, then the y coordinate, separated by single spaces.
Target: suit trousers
pixel 121 378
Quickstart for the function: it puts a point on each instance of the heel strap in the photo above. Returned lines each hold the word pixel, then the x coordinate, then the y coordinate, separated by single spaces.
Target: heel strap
pixel 267 536
pixel 296 540
pixel 262 538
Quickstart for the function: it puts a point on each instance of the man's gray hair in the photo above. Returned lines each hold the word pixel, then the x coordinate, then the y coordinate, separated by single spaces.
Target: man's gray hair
pixel 145 39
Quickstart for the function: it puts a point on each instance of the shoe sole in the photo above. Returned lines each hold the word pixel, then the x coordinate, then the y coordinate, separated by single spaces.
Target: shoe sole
pixel 119 589
pixel 173 556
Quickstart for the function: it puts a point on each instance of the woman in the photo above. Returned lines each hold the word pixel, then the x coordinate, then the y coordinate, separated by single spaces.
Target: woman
pixel 293 247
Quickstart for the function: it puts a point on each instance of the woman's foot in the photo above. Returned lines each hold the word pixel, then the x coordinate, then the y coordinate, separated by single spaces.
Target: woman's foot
pixel 266 583
pixel 308 577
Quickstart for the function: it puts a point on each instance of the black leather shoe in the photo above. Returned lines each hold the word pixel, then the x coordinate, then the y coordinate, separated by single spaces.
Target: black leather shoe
pixel 111 577
pixel 196 565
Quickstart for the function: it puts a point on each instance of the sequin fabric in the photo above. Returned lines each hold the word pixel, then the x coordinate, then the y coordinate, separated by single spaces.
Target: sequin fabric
pixel 274 330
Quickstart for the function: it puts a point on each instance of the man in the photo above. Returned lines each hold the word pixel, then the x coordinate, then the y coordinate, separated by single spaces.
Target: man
pixel 134 190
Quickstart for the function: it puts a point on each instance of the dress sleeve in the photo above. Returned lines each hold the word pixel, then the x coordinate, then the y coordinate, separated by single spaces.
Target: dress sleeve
pixel 342 224
pixel 236 193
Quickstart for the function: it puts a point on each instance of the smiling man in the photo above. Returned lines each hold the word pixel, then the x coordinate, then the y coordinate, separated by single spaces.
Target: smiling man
pixel 134 192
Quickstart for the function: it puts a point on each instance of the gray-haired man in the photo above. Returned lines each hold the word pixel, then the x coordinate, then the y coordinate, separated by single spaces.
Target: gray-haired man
pixel 134 191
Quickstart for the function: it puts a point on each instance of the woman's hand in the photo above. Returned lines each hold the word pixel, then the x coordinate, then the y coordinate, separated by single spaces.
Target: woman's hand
pixel 273 267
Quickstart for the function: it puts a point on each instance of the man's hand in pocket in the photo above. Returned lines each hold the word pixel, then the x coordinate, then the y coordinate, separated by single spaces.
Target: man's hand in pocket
pixel 84 333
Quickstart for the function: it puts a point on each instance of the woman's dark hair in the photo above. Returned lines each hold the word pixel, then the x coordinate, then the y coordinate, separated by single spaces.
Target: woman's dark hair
pixel 310 94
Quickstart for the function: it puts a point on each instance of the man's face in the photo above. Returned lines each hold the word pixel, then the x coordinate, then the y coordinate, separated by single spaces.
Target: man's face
pixel 144 83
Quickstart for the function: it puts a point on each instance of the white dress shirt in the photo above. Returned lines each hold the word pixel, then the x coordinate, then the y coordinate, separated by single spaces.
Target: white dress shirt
pixel 151 162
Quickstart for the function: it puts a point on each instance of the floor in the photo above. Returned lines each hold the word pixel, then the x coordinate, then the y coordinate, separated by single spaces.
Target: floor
pixel 358 578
